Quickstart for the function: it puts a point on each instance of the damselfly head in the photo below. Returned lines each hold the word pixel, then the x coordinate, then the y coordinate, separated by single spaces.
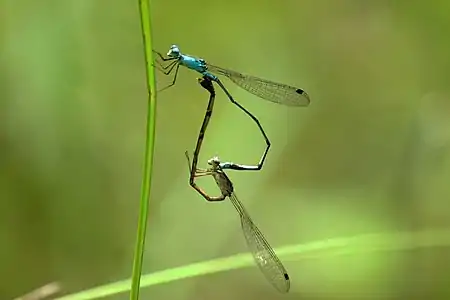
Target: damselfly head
pixel 174 51
pixel 215 161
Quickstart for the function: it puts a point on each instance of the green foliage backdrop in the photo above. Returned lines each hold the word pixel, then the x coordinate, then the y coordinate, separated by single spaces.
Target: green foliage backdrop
pixel 371 154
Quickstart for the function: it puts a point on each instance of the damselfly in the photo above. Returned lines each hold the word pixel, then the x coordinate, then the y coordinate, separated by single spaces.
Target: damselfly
pixel 262 252
pixel 265 89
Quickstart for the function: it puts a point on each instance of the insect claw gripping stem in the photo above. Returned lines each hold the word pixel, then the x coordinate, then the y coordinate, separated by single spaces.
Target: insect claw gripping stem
pixel 160 66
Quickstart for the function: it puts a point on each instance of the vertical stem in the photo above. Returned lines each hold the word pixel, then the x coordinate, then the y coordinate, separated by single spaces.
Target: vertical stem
pixel 144 11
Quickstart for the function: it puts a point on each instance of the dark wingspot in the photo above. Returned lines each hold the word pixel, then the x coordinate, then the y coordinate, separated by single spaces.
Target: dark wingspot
pixel 286 276
pixel 299 91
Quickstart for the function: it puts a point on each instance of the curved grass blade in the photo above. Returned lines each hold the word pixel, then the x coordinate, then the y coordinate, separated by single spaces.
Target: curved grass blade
pixel 338 246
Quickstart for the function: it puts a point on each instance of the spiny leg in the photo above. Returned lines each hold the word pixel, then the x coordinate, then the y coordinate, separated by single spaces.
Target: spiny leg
pixel 166 70
pixel 193 171
pixel 174 78
pixel 198 173
pixel 206 196
pixel 162 57
pixel 231 165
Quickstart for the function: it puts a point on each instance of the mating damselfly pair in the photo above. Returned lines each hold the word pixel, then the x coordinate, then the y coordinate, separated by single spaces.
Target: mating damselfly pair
pixel 262 252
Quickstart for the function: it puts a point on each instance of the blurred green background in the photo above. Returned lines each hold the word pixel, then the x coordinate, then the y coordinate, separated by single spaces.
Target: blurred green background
pixel 371 153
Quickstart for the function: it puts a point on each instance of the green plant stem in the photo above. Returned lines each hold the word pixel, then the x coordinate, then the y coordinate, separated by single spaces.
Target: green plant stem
pixel 144 11
pixel 341 246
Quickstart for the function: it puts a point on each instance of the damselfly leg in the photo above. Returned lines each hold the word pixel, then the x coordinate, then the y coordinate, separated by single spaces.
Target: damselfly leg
pixel 159 60
pixel 166 69
pixel 194 173
pixel 161 57
pixel 174 77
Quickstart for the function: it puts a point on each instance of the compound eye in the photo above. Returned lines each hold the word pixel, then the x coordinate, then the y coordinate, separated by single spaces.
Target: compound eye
pixel 174 51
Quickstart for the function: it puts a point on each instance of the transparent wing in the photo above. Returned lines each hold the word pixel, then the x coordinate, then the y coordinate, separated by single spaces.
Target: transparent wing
pixel 265 89
pixel 266 259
